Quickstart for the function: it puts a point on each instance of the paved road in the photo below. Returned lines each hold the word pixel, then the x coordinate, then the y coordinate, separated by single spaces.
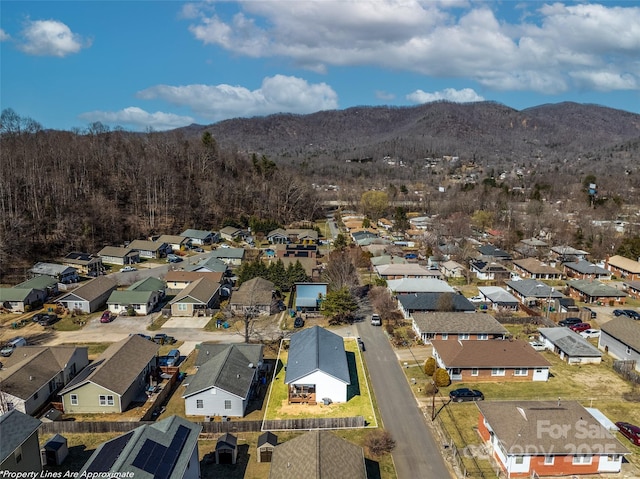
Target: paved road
pixel 417 453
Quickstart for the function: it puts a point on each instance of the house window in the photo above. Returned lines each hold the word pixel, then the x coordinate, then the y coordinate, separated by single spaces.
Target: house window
pixel 628 350
pixel 199 403
pixel 548 460
pixel 182 306
pixel 497 371
pixel 74 399
pixel 474 371
pixel 227 404
pixel 483 336
pixel 106 400
pixel 445 336
pixel 520 372
pixel 463 336
pixel 519 460
pixel 582 459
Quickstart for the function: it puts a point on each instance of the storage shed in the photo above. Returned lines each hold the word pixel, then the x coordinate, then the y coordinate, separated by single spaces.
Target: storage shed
pixel 266 442
pixel 54 451
pixel 227 449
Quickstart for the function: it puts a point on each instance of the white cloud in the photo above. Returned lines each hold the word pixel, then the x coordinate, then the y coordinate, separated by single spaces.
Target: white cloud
pixel 50 38
pixel 4 35
pixel 383 95
pixel 604 81
pixel 138 118
pixel 277 94
pixel 450 94
pixel 551 49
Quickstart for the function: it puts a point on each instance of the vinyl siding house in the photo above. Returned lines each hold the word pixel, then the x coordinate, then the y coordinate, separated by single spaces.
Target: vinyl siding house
pixel 60 272
pixel 89 297
pixel 534 269
pixel 208 265
pixel 490 253
pixel 499 298
pixel 570 346
pixel 167 449
pixel 178 280
pixel 457 326
pixel 230 256
pixel 196 299
pixel 255 296
pixel 173 242
pixel 317 455
pixel 32 377
pixel 582 269
pixel 589 291
pixel 118 255
pixel 85 263
pixel 43 283
pixel 114 380
pixel 226 380
pixel 231 233
pixel 620 338
pixel 500 360
pixel 19 447
pixel 19 300
pixel 150 249
pixel 624 268
pixel 488 271
pixel 200 237
pixel 548 438
pixel 418 285
pixel 410 304
pixel 317 367
pixel 452 269
pixel 143 296
pixel 533 292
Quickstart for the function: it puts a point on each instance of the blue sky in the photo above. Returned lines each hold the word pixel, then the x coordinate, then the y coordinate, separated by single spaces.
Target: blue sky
pixel 159 65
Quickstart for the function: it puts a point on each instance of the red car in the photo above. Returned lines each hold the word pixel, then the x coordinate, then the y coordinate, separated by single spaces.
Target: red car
pixel 630 431
pixel 106 317
pixel 578 328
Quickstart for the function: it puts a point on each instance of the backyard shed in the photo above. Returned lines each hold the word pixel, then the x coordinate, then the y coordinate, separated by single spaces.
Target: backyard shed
pixel 54 451
pixel 226 449
pixel 266 442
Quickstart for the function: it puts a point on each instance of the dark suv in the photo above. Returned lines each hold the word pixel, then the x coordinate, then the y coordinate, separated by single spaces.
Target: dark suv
pixel 632 314
pixel 569 322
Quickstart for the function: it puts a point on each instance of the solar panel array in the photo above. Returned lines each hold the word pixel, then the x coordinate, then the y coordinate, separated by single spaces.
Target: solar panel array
pixel 160 460
pixel 109 453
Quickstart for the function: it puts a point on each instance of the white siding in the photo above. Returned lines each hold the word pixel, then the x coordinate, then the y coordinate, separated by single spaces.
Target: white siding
pixel 618 349
pixel 606 465
pixel 213 401
pixel 326 386
pixel 540 374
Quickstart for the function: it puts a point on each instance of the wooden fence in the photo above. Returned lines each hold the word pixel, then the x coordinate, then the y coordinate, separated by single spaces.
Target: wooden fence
pixel 627 369
pixel 218 427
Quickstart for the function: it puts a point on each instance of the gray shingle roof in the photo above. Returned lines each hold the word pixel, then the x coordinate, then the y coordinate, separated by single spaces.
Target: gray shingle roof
pixel 453 323
pixel 595 289
pixel 570 342
pixel 517 425
pixel 317 349
pixel 430 302
pixel 15 428
pixel 197 234
pixel 92 289
pixel 498 295
pixel 118 366
pixel 533 288
pixel 586 267
pixel 228 370
pixel 162 433
pixel 207 351
pixel 200 291
pixel 625 330
pixel 232 253
pixel 51 269
pixel 419 285
pixel 317 455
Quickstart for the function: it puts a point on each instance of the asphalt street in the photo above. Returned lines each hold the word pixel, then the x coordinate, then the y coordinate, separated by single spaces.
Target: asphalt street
pixel 417 453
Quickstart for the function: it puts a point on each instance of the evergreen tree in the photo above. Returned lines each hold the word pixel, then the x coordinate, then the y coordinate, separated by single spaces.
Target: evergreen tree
pixel 278 275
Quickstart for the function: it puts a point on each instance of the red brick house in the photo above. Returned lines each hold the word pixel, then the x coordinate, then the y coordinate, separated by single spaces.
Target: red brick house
pixel 495 360
pixel 622 267
pixel 548 438
pixel 534 269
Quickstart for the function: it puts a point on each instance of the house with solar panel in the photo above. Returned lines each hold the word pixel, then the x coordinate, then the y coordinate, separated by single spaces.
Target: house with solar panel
pixel 119 376
pixel 226 380
pixel 317 367
pixel 167 449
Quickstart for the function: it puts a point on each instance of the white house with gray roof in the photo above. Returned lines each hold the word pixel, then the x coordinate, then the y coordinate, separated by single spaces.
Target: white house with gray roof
pixel 226 380
pixel 89 297
pixel 570 346
pixel 317 367
pixel 60 272
pixel 620 338
pixel 167 449
pixel 200 237
pixel 453 326
pixel 418 285
pixel 498 297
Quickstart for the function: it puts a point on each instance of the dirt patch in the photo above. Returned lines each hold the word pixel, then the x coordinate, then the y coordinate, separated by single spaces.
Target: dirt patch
pixel 304 410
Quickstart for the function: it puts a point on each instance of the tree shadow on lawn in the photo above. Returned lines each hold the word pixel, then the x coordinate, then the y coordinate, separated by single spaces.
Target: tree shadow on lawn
pixel 373 469
pixel 353 389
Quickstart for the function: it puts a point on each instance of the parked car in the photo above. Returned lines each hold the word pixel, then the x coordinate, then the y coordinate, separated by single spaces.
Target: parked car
pixel 569 322
pixel 376 320
pixel 173 258
pixel 476 299
pixel 107 317
pixel 631 314
pixel 162 338
pixel 590 333
pixel 7 349
pixel 466 394
pixel 37 317
pixel 47 319
pixel 198 250
pixel 127 269
pixel 578 328
pixel 538 345
pixel 629 431
pixel 173 357
pixel 298 322
pixel 618 312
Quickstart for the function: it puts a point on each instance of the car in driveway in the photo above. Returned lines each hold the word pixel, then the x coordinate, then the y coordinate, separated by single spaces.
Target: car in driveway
pixel 11 345
pixel 631 314
pixel 107 317
pixel 590 333
pixel 466 394
pixel 578 328
pixel 162 338
pixel 619 312
pixel 128 269
pixel 569 322
pixel 47 319
pixel 630 431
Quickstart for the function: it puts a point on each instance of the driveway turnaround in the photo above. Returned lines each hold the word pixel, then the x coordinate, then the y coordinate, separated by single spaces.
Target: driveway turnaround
pixel 417 453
